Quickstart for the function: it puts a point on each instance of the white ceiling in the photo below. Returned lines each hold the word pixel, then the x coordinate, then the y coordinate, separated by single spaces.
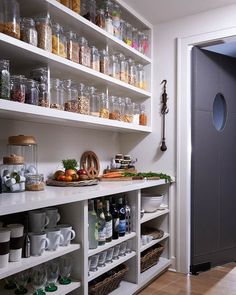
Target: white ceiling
pixel 157 11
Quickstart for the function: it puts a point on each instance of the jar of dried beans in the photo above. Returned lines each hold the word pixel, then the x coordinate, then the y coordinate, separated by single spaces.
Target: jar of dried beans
pixel 12 18
pixel 104 106
pixel 104 62
pixel 95 59
pixel 72 47
pixel 124 68
pixel 59 45
pixel 56 94
pixel 29 33
pixel 83 100
pixel 32 92
pixel 114 68
pixel 18 88
pixel 44 29
pixel 71 96
pixel 4 79
pixel 84 53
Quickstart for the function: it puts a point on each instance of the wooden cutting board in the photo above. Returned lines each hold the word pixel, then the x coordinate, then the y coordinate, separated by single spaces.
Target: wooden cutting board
pixel 115 179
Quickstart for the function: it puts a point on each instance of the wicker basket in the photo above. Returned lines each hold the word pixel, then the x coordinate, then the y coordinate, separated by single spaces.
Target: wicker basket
pixel 109 281
pixel 151 256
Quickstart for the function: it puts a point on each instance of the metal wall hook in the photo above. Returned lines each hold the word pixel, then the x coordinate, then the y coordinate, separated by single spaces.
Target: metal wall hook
pixel 164 111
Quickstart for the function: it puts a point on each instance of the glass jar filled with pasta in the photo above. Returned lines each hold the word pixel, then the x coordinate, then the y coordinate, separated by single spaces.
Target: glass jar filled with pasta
pixel 72 46
pixel 59 45
pixel 44 29
pixel 12 18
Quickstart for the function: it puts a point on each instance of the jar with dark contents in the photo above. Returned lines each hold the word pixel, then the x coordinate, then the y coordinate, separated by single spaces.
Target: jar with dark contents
pixel 72 47
pixel 84 53
pixel 43 95
pixel 40 74
pixel 18 88
pixel 83 100
pixel 56 94
pixel 71 96
pixel 104 62
pixel 95 59
pixel 32 92
pixel 29 33
pixel 100 19
pixel 44 29
pixel 90 8
pixel 12 18
pixel 4 79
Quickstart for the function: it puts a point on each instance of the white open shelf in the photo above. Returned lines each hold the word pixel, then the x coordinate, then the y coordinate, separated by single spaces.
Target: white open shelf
pixel 102 270
pixel 154 242
pixel 25 263
pixel 126 288
pixel 111 244
pixel 150 216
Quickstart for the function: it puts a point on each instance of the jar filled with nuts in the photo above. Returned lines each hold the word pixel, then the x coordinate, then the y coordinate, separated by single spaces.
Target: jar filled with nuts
pixel 44 29
pixel 43 95
pixel 94 102
pixel 29 33
pixel 124 68
pixel 12 18
pixel 18 88
pixel 104 62
pixel 95 59
pixel 114 67
pixel 59 46
pixel 4 79
pixel 32 92
pixel 84 53
pixel 114 108
pixel 56 94
pixel 141 78
pixel 83 100
pixel 71 96
pixel 132 72
pixel 129 110
pixel 72 47
pixel 104 106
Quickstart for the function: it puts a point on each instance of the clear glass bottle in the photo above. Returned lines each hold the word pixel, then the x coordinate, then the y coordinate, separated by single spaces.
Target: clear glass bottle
pixel 124 68
pixel 108 219
pixel 43 95
pixel 100 18
pixel 122 30
pixel 132 72
pixel 104 62
pixel 44 29
pixel 114 108
pixel 114 68
pixel 18 88
pixel 4 79
pixel 141 77
pixel 95 59
pixel 29 33
pixel 104 106
pixel 90 7
pixel 12 18
pixel 128 36
pixel 136 113
pixel 135 38
pixel 71 96
pixel 56 94
pixel 83 100
pixel 59 45
pixel 108 17
pixel 84 53
pixel 101 224
pixel 129 110
pixel 32 92
pixel 72 47
pixel 92 226
pixel 76 6
pixel 94 102
pixel 116 16
pixel 142 116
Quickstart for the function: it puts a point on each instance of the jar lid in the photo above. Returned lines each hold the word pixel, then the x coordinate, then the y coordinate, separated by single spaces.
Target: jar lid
pixel 21 140
pixel 13 160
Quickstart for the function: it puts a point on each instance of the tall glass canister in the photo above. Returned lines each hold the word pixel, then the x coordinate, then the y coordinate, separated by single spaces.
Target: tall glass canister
pixel 4 79
pixel 44 29
pixel 56 94
pixel 12 18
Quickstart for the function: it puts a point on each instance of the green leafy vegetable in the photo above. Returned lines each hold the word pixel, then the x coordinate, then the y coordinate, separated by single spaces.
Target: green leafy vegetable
pixel 70 164
pixel 149 174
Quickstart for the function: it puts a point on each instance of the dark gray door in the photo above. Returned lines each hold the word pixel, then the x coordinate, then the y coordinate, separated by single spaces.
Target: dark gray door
pixel 213 169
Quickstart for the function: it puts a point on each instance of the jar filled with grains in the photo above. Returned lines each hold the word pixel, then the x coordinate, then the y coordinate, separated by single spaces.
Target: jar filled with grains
pixel 104 62
pixel 83 100
pixel 29 33
pixel 76 6
pixel 59 46
pixel 32 92
pixel 4 79
pixel 43 95
pixel 132 72
pixel 56 94
pixel 72 47
pixel 124 68
pixel 114 67
pixel 44 29
pixel 104 106
pixel 84 53
pixel 71 96
pixel 67 3
pixel 95 59
pixel 18 88
pixel 129 110
pixel 12 18
pixel 114 108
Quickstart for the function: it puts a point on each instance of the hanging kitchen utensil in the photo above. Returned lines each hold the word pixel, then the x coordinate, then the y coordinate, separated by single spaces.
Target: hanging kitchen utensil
pixel 164 111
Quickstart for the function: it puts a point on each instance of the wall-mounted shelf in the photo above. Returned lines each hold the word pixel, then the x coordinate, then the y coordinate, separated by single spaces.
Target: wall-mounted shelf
pixel 150 216
pixel 154 242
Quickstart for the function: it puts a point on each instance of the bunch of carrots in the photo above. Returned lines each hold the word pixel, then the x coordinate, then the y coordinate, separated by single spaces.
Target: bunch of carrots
pixel 113 174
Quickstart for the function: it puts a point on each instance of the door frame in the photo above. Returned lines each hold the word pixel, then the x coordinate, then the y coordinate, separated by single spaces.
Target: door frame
pixel 183 151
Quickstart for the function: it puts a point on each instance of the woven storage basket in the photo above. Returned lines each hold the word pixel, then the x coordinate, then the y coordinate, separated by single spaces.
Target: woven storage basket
pixel 151 256
pixel 108 282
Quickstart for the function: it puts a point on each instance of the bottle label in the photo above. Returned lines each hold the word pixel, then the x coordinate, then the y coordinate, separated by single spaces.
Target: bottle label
pixel 122 226
pixel 116 224
pixel 102 234
pixel 109 229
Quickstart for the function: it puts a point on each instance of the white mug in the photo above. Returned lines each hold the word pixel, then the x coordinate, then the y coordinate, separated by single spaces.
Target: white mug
pixel 53 215
pixel 4 246
pixel 67 232
pixel 16 241
pixel 38 243
pixel 37 221
pixel 55 238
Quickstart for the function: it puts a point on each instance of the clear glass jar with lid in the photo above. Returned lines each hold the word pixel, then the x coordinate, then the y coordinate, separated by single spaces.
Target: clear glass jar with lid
pixel 132 72
pixel 114 108
pixel 129 110
pixel 71 96
pixel 141 77
pixel 29 33
pixel 142 116
pixel 95 59
pixel 4 79
pixel 83 100
pixel 108 17
pixel 136 113
pixel 100 18
pixel 114 67
pixel 143 43
pixel 122 30
pixel 121 102
pixel 18 88
pixel 43 95
pixel 116 16
pixel 128 36
pixel 56 94
pixel 40 74
pixel 84 52
pixel 44 29
pixel 94 102
pixel 104 62
pixel 59 45
pixel 104 106
pixel 12 18
pixel 72 46
pixel 135 38
pixel 124 68
pixel 32 92
pixel 90 10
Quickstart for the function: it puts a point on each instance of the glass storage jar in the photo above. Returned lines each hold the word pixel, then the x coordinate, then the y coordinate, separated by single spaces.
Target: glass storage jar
pixel 132 72
pixel 141 77
pixel 136 113
pixel 44 29
pixel 43 95
pixel 71 96
pixel 128 36
pixel 40 74
pixel 4 79
pixel 72 47
pixel 32 92
pixel 114 108
pixel 124 68
pixel 116 15
pixel 29 33
pixel 104 62
pixel 135 38
pixel 122 30
pixel 94 102
pixel 56 94
pixel 59 45
pixel 121 102
pixel 104 106
pixel 18 88
pixel 108 17
pixel 100 19
pixel 12 18
pixel 143 43
pixel 129 110
pixel 84 52
pixel 95 59
pixel 83 100
pixel 114 68
pixel 34 182
pixel 142 116
pixel 76 6
pixel 90 10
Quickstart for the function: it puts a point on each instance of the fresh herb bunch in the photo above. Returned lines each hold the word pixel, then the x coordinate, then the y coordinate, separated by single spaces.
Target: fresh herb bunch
pixel 70 164
pixel 150 174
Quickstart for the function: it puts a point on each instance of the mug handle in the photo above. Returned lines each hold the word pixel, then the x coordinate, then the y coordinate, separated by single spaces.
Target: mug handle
pixel 47 221
pixel 61 239
pixel 46 240
pixel 72 234
pixel 47 243
pixel 58 216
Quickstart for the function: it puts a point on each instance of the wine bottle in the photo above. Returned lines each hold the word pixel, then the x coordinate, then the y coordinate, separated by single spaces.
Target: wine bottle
pixel 127 217
pixel 93 226
pixel 101 224
pixel 115 222
pixel 122 223
pixel 108 219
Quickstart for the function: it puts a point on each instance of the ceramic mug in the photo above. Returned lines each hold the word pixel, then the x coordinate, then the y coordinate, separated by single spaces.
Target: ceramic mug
pixel 53 216
pixel 68 234
pixel 16 241
pixel 37 221
pixel 38 243
pixel 55 238
pixel 4 246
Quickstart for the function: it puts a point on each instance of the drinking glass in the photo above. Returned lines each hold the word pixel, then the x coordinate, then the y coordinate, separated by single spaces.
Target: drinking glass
pixel 21 280
pixel 116 252
pixel 110 252
pixel 52 276
pixel 65 265
pixel 122 249
pixel 39 279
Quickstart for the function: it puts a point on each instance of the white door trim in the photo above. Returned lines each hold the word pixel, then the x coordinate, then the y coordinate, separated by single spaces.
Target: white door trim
pixel 183 157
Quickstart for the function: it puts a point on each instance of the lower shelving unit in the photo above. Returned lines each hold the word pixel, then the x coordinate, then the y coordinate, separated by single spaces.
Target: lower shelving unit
pixel 154 242
pixel 125 288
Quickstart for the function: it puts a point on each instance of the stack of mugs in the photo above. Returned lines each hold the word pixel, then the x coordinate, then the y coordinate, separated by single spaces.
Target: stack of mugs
pixel 45 232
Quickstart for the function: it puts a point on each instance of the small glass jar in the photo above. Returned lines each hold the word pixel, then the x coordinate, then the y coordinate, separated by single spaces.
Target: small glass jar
pixel 34 182
pixel 104 106
pixel 12 18
pixel 143 45
pixel 72 47
pixel 84 53
pixel 142 116
pixel 44 29
pixel 95 59
pixel 114 108
pixel 40 74
pixel 124 68
pixel 141 77
pixel 129 110
pixel 132 72
pixel 71 96
pixel 59 46
pixel 100 19
pixel 29 33
pixel 116 15
pixel 128 36
pixel 5 85
pixel 121 102
pixel 32 92
pixel 90 7
pixel 83 100
pixel 135 38
pixel 43 95
pixel 18 88
pixel 108 19
pixel 94 102
pixel 122 30
pixel 114 67
pixel 136 113
pixel 56 94
pixel 104 62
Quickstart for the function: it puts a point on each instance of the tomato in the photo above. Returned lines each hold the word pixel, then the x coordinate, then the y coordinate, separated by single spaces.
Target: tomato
pixel 61 178
pixel 58 173
pixel 70 172
pixel 68 178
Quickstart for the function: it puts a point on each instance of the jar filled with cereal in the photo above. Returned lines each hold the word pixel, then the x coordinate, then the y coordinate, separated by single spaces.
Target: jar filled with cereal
pixel 12 18
pixel 124 68
pixel 32 92
pixel 129 110
pixel 104 62
pixel 114 67
pixel 44 29
pixel 104 106
pixel 141 77
pixel 132 72
pixel 18 88
pixel 71 96
pixel 56 94
pixel 83 100
pixel 72 47
pixel 95 59
pixel 29 33
pixel 114 108
pixel 59 46
pixel 84 52
pixel 4 79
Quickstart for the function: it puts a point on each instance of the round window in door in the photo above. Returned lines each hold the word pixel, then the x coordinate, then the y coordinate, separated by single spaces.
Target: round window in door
pixel 219 112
